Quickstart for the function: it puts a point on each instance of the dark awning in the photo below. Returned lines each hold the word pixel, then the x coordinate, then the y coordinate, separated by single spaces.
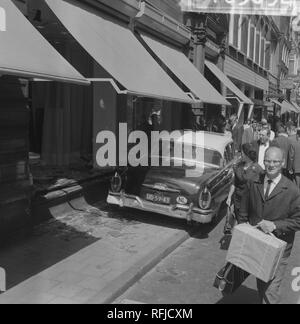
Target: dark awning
pixel 25 53
pixel 228 83
pixel 118 51
pixel 186 72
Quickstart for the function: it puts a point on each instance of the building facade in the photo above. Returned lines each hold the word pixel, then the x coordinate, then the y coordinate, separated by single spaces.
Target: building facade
pixel 116 58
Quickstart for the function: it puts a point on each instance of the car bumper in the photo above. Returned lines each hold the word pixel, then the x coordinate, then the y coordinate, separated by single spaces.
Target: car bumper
pixel 187 212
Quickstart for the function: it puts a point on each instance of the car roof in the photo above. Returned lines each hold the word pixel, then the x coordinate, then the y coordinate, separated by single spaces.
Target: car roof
pixel 208 140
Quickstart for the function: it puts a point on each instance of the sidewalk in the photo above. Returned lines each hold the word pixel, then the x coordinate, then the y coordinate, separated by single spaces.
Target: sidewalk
pixel 91 255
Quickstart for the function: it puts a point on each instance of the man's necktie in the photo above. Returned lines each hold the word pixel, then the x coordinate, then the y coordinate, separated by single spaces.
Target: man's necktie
pixel 268 189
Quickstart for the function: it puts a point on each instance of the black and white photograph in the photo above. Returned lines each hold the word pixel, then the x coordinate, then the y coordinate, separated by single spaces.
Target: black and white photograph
pixel 149 154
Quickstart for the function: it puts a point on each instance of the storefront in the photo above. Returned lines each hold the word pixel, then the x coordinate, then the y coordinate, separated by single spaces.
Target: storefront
pixel 22 59
pixel 286 111
pixel 138 65
pixel 254 85
pixel 241 104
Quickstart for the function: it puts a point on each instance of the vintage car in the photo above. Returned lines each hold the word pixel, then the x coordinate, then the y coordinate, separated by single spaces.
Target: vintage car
pixel 172 191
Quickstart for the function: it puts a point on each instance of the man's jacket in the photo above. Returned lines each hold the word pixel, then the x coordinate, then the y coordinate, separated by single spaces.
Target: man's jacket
pixel 282 207
pixel 294 156
pixel 283 143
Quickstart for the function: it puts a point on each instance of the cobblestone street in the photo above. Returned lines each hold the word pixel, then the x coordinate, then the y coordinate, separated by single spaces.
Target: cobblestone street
pixel 72 258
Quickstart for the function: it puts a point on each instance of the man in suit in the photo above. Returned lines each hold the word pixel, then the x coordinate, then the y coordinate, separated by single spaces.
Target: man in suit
pixel 272 203
pixel 261 146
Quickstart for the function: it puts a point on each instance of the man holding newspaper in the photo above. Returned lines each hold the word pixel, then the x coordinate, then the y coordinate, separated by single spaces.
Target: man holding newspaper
pixel 272 204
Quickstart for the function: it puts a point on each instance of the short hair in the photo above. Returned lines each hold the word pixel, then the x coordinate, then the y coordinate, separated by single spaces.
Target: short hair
pixel 267 129
pixel 276 148
pixel 281 129
pixel 292 128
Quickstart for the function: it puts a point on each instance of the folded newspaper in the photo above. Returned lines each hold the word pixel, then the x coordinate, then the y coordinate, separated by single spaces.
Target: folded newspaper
pixel 255 252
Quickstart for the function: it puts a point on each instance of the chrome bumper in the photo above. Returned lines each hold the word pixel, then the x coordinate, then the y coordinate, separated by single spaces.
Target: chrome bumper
pixel 187 212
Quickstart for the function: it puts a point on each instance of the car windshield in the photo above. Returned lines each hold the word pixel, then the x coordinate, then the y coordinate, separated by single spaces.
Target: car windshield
pixel 187 155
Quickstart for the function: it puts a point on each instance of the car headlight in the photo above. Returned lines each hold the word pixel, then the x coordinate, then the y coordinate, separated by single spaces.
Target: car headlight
pixel 116 183
pixel 205 199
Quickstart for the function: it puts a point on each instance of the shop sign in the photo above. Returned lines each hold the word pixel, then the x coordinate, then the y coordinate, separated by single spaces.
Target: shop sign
pixel 248 7
pixel 2 20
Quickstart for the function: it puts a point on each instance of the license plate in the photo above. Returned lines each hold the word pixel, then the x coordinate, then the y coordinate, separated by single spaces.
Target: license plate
pixel 158 199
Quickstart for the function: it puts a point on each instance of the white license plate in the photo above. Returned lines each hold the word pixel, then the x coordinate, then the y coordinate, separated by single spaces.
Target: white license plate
pixel 158 199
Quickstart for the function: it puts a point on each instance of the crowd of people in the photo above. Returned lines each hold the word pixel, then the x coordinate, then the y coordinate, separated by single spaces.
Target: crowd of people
pixel 259 136
pixel 265 192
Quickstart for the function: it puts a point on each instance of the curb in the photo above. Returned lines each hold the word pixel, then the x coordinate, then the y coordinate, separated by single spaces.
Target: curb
pixel 121 284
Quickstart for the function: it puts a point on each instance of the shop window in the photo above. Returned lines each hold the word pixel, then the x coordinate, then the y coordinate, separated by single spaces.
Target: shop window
pixel 244 40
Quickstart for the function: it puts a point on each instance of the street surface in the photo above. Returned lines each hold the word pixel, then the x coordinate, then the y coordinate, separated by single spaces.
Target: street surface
pixel 186 276
pixel 79 254
pixel 99 254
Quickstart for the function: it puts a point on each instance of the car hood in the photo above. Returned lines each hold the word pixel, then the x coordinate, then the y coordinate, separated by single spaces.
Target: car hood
pixel 179 179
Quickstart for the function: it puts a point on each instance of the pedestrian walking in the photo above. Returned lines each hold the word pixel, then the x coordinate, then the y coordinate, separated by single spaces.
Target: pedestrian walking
pixel 237 132
pixel 247 169
pixel 272 203
pixel 294 158
pixel 249 130
pixel 267 126
pixel 292 131
pixel 262 145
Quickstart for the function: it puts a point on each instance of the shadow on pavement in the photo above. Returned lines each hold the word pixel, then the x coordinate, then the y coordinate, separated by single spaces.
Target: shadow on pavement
pixel 48 244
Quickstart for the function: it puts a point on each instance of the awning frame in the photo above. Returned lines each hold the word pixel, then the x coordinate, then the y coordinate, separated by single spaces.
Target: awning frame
pixel 225 80
pixel 289 110
pixel 138 94
pixel 241 104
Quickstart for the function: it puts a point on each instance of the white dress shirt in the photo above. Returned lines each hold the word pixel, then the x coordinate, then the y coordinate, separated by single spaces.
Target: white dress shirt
pixel 261 154
pixel 272 136
pixel 273 184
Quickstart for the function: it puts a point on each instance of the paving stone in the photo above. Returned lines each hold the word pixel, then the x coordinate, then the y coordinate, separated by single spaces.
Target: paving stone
pixel 70 277
pixel 65 290
pixel 93 283
pixel 63 301
pixel 84 295
pixel 63 259
pixel 36 298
